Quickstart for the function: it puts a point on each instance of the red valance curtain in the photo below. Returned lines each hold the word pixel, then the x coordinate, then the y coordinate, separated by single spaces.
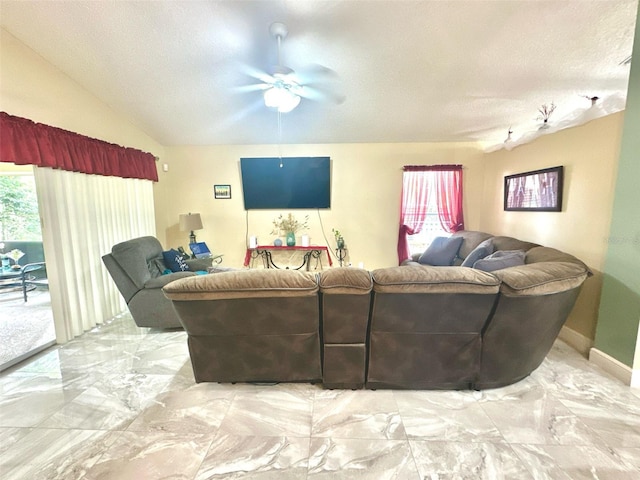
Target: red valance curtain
pixel 417 182
pixel 25 142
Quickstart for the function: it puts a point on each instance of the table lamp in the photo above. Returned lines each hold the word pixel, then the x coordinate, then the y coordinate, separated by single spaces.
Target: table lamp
pixel 190 222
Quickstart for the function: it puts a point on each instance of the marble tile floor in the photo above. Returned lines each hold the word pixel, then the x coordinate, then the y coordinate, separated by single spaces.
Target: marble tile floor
pixel 120 403
pixel 24 326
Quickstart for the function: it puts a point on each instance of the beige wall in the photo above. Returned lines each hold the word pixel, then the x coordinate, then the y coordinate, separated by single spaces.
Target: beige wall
pixel 366 186
pixel 33 88
pixel 589 154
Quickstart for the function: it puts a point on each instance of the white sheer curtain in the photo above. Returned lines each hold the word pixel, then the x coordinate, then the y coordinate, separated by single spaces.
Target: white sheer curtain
pixel 83 216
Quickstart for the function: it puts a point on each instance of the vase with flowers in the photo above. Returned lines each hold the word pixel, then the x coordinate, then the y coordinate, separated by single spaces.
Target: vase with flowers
pixel 290 226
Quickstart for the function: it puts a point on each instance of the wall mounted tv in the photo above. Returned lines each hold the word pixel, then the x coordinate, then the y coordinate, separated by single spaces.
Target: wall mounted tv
pixel 286 183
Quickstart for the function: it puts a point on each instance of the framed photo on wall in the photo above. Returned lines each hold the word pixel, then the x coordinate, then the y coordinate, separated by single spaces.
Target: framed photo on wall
pixel 536 191
pixel 222 191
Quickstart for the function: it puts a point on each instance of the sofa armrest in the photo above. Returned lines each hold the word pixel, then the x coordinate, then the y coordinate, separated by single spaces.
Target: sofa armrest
pixel 542 278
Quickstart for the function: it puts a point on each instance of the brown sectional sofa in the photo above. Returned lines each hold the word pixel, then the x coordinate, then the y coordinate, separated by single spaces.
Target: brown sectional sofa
pixel 413 326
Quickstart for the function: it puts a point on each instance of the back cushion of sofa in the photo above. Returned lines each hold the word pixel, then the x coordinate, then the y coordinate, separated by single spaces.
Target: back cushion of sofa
pixel 510 243
pixel 471 239
pixel 345 281
pixel 426 279
pixel 548 254
pixel 243 284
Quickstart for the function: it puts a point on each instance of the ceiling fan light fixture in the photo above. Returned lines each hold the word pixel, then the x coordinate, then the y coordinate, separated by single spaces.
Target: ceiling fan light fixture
pixel 282 98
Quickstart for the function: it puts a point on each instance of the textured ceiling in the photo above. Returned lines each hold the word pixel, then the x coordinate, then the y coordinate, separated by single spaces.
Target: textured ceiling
pixel 411 71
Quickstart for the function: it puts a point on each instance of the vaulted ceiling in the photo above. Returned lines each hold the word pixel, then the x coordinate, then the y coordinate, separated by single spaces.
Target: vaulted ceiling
pixel 408 71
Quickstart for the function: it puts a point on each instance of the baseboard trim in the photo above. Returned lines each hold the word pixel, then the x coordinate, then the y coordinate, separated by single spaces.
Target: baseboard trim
pixel 576 340
pixel 610 365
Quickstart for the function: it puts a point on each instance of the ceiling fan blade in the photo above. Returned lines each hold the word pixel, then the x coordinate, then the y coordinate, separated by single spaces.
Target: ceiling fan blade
pixel 315 72
pixel 256 74
pixel 256 87
pixel 321 94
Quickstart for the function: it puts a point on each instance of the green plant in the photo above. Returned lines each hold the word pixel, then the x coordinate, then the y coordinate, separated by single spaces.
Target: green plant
pixel 289 224
pixel 339 238
pixel 19 218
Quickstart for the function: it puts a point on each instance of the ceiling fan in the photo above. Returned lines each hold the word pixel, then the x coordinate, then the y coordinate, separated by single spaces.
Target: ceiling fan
pixel 283 88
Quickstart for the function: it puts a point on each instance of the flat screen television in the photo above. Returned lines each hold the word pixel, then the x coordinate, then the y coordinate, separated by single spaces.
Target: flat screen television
pixel 286 183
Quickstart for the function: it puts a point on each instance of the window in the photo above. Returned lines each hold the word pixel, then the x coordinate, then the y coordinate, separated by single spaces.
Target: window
pixel 431 206
pixel 19 218
pixel 431 228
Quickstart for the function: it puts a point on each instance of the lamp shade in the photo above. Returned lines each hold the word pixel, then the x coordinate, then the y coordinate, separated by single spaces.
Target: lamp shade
pixel 190 222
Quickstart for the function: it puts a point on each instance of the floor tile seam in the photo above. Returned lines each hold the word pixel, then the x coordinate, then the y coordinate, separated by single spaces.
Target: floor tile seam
pixel 397 411
pixel 80 429
pixel 605 449
pixel 586 418
pixel 527 465
pixel 359 437
pixel 508 446
pixel 493 423
pixel 21 461
pixel 623 410
pixel 466 441
pixel 587 427
pixel 66 403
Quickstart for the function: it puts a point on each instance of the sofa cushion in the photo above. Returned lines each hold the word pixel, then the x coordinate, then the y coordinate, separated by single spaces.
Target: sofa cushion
pixel 345 281
pixel 427 279
pixel 500 259
pixel 242 284
pixel 510 243
pixel 547 254
pixel 541 278
pixel 483 250
pixel 441 252
pixel 174 261
pixel 471 239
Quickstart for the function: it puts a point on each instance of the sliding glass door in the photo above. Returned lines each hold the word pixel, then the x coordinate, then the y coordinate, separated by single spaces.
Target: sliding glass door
pixel 26 317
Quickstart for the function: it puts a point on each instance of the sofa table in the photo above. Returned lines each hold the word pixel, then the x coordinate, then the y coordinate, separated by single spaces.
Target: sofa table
pixel 265 253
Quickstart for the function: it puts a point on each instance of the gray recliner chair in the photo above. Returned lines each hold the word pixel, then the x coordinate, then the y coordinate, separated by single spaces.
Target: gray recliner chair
pixel 136 267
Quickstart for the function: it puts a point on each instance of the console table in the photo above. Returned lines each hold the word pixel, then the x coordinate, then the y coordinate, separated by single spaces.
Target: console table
pixel 264 252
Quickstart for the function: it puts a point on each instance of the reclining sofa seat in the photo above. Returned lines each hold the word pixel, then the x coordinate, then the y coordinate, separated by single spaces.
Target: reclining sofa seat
pixel 250 325
pixel 135 266
pixel 426 326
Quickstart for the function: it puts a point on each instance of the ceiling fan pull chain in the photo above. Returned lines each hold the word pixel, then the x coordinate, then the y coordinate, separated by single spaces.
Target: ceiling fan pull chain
pixel 280 137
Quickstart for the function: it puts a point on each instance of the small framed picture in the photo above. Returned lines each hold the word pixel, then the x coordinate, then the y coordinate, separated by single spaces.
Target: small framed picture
pixel 222 191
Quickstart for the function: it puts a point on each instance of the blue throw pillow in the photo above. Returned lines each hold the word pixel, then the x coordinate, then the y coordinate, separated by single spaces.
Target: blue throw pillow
pixel 501 259
pixel 441 252
pixel 482 250
pixel 174 261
